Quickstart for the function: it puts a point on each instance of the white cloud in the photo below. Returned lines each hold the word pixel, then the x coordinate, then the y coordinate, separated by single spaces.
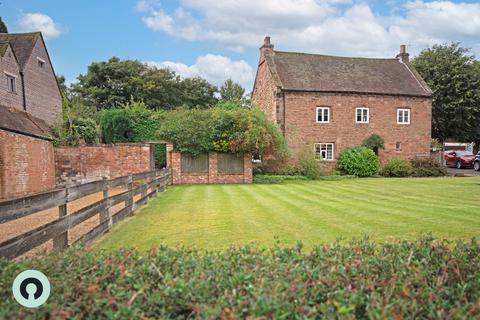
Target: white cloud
pixel 30 22
pixel 214 68
pixel 328 26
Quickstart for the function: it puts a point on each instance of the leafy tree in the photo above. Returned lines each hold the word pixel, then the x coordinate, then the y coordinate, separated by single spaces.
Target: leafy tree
pixel 231 91
pixel 113 83
pixel 63 86
pixel 3 26
pixel 197 92
pixel 453 75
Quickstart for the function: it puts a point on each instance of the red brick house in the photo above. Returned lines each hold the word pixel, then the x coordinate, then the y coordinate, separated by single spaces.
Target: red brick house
pixel 327 103
pixel 30 102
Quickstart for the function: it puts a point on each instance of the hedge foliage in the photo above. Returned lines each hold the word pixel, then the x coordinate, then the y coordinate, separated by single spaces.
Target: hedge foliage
pixel 131 123
pixel 70 129
pixel 397 168
pixel 358 161
pixel 222 129
pixel 425 279
pixel 276 179
pixel 428 167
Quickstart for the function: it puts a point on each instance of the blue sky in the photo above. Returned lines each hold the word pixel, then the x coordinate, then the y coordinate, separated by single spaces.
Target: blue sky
pixel 220 39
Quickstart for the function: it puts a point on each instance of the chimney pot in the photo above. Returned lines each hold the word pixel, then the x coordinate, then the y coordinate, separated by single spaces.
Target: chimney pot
pixel 403 49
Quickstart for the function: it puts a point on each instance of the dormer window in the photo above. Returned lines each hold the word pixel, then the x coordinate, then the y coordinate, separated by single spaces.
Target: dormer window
pixel 11 84
pixel 41 62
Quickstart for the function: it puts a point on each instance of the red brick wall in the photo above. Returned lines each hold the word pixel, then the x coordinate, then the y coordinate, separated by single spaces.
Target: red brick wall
pixel 302 130
pixel 41 90
pixel 213 176
pixel 86 163
pixel 9 64
pixel 265 91
pixel 27 165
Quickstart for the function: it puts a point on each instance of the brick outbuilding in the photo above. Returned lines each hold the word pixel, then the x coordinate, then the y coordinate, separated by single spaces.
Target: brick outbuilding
pixel 324 104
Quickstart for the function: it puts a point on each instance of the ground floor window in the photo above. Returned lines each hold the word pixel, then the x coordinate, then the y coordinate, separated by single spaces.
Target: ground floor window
pixel 324 151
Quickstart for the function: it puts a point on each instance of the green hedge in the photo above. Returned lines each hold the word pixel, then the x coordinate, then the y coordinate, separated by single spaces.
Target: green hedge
pixel 426 279
pixel 275 179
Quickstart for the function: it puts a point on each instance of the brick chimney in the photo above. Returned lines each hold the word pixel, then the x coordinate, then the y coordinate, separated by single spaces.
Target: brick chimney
pixel 266 48
pixel 403 55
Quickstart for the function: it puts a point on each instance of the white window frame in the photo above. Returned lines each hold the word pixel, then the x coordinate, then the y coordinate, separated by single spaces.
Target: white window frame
pixel 322 113
pixel 362 115
pixel 321 145
pixel 403 110
pixel 11 88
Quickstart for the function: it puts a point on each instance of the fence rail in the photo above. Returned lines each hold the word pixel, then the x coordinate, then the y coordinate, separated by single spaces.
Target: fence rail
pixel 153 182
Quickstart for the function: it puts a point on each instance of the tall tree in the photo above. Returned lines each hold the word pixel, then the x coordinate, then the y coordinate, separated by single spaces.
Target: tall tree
pixel 115 82
pixel 452 73
pixel 231 91
pixel 197 92
pixel 3 26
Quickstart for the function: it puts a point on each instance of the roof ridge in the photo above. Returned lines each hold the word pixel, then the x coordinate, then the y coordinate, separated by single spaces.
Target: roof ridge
pixel 332 56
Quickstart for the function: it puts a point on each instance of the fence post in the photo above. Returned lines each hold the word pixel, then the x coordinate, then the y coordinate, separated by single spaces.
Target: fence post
pixel 130 201
pixel 60 242
pixel 104 214
pixel 145 190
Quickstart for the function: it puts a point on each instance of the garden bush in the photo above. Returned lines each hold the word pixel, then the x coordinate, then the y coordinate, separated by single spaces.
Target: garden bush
pixel 374 142
pixel 235 130
pixel 275 179
pixel 428 167
pixel 424 279
pixel 358 161
pixel 397 168
pixel 70 129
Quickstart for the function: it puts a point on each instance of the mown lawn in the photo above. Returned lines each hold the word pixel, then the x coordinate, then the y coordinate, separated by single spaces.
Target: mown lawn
pixel 218 216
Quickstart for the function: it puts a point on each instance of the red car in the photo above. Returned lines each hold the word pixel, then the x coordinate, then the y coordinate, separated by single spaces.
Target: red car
pixel 459 158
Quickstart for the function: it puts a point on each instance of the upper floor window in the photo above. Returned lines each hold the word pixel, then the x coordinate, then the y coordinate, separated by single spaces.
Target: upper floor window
pixel 323 114
pixel 362 115
pixel 324 151
pixel 41 62
pixel 11 84
pixel 403 116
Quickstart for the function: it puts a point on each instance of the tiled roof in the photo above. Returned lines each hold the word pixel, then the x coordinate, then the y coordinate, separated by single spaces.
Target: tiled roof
pixel 3 48
pixel 22 44
pixel 313 72
pixel 15 120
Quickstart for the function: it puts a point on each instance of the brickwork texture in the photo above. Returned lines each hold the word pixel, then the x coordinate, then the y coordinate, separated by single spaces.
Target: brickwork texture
pixel 27 165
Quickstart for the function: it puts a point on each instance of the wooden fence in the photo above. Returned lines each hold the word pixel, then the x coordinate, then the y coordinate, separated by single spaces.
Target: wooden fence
pixel 149 183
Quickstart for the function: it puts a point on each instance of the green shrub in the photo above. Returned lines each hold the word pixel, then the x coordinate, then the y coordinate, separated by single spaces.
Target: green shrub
pixel 70 129
pixel 234 130
pixel 117 125
pixel 428 167
pixel 132 122
pixel 424 279
pixel 276 179
pixel 358 161
pixel 397 168
pixel 374 142
pixel 86 129
pixel 307 165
